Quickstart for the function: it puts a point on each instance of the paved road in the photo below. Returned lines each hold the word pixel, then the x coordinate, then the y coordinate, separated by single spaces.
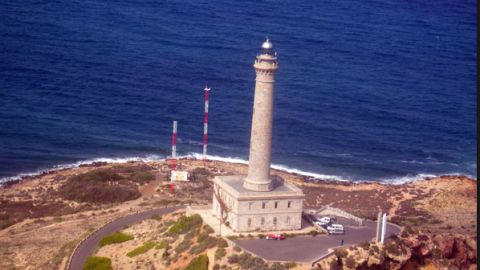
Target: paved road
pixel 87 247
pixel 309 248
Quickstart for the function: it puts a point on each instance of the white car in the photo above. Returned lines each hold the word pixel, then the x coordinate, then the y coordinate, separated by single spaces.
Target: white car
pixel 323 221
pixel 335 229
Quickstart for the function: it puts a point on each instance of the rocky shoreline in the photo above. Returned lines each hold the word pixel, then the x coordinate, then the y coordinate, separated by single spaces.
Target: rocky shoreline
pixel 47 213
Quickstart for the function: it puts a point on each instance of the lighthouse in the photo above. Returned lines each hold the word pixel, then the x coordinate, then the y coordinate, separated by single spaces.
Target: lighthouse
pixel 258 178
pixel 256 201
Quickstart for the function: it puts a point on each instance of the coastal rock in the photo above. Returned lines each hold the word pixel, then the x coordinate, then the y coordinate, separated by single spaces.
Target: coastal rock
pixel 445 244
pixel 460 252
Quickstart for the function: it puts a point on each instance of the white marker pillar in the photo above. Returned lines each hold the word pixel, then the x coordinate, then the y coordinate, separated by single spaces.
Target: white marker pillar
pixel 379 226
pixel 384 228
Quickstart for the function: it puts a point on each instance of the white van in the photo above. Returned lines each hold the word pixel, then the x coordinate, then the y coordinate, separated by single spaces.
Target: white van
pixel 335 229
pixel 323 221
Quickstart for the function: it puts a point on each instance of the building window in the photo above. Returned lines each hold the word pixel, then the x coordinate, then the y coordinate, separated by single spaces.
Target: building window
pixel 264 204
pixel 274 221
pixel 250 204
pixel 288 220
pixel 262 221
pixel 249 222
pixel 276 204
pixel 289 204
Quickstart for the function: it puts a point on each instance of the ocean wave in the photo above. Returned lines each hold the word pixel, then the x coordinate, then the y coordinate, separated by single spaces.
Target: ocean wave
pixel 418 177
pixel 78 164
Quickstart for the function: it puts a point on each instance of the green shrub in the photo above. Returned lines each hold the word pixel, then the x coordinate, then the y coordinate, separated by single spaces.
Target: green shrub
pixel 364 244
pixel 334 265
pixel 141 249
pixel 350 262
pixel 208 229
pixel 184 245
pixel 156 217
pixel 237 248
pixel 233 259
pixel 232 237
pixel 204 243
pixel 98 263
pixel 216 267
pixel 221 243
pixel 290 265
pixel 198 263
pixel 393 248
pixel 340 252
pixel 163 244
pixel 185 224
pixel 115 238
pixel 143 177
pixel 220 253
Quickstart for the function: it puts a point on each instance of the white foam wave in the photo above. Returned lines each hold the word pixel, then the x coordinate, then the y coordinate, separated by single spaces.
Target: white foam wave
pixel 419 177
pixel 148 158
pixel 78 164
pixel 274 166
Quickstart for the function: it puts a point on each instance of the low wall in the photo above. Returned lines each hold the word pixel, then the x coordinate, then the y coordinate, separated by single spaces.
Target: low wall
pixel 328 210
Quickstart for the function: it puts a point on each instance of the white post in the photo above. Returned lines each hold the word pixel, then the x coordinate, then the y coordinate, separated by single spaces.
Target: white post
pixel 384 228
pixel 379 226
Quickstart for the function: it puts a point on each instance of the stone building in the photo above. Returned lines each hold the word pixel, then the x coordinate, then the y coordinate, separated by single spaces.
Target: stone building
pixel 257 201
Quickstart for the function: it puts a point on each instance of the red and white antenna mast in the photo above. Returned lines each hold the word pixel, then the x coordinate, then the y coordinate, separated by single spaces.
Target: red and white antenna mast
pixel 174 146
pixel 205 123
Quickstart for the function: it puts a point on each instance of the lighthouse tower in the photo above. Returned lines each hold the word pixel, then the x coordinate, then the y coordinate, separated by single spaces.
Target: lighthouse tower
pixel 256 202
pixel 258 178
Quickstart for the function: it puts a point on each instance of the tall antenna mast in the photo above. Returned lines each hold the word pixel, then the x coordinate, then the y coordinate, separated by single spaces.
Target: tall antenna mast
pixel 174 146
pixel 205 123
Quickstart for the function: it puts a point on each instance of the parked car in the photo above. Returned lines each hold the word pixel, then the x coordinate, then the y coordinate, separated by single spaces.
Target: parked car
pixel 335 229
pixel 323 221
pixel 275 236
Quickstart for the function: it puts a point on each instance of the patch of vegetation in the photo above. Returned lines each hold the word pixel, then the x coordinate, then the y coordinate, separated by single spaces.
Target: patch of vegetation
pixel 141 249
pixel 340 252
pixel 208 229
pixel 364 244
pixel 350 262
pixel 98 263
pixel 185 224
pixel 198 263
pixel 220 253
pixel 164 244
pixel 290 265
pixel 156 217
pixel 183 246
pixel 204 242
pixel 115 238
pixel 99 186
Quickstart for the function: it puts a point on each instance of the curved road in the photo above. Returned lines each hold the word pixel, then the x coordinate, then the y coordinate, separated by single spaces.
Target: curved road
pixel 86 248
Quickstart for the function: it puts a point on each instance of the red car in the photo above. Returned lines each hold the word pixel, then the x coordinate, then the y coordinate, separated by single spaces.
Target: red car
pixel 275 236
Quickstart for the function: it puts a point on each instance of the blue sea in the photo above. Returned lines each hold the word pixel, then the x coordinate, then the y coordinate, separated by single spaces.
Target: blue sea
pixel 366 90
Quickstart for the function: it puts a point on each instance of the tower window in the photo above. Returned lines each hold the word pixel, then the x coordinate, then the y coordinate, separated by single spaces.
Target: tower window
pixel 250 204
pixel 288 220
pixel 274 221
pixel 249 222
pixel 264 204
pixel 289 204
pixel 262 221
pixel 276 204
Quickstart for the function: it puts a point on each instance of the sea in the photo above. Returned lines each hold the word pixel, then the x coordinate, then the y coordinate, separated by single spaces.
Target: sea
pixel 380 90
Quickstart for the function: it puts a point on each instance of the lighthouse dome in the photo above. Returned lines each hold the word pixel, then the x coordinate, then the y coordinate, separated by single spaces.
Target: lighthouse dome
pixel 267 45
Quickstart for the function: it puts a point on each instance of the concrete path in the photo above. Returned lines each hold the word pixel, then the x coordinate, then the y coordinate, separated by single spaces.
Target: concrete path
pixel 87 247
pixel 309 248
